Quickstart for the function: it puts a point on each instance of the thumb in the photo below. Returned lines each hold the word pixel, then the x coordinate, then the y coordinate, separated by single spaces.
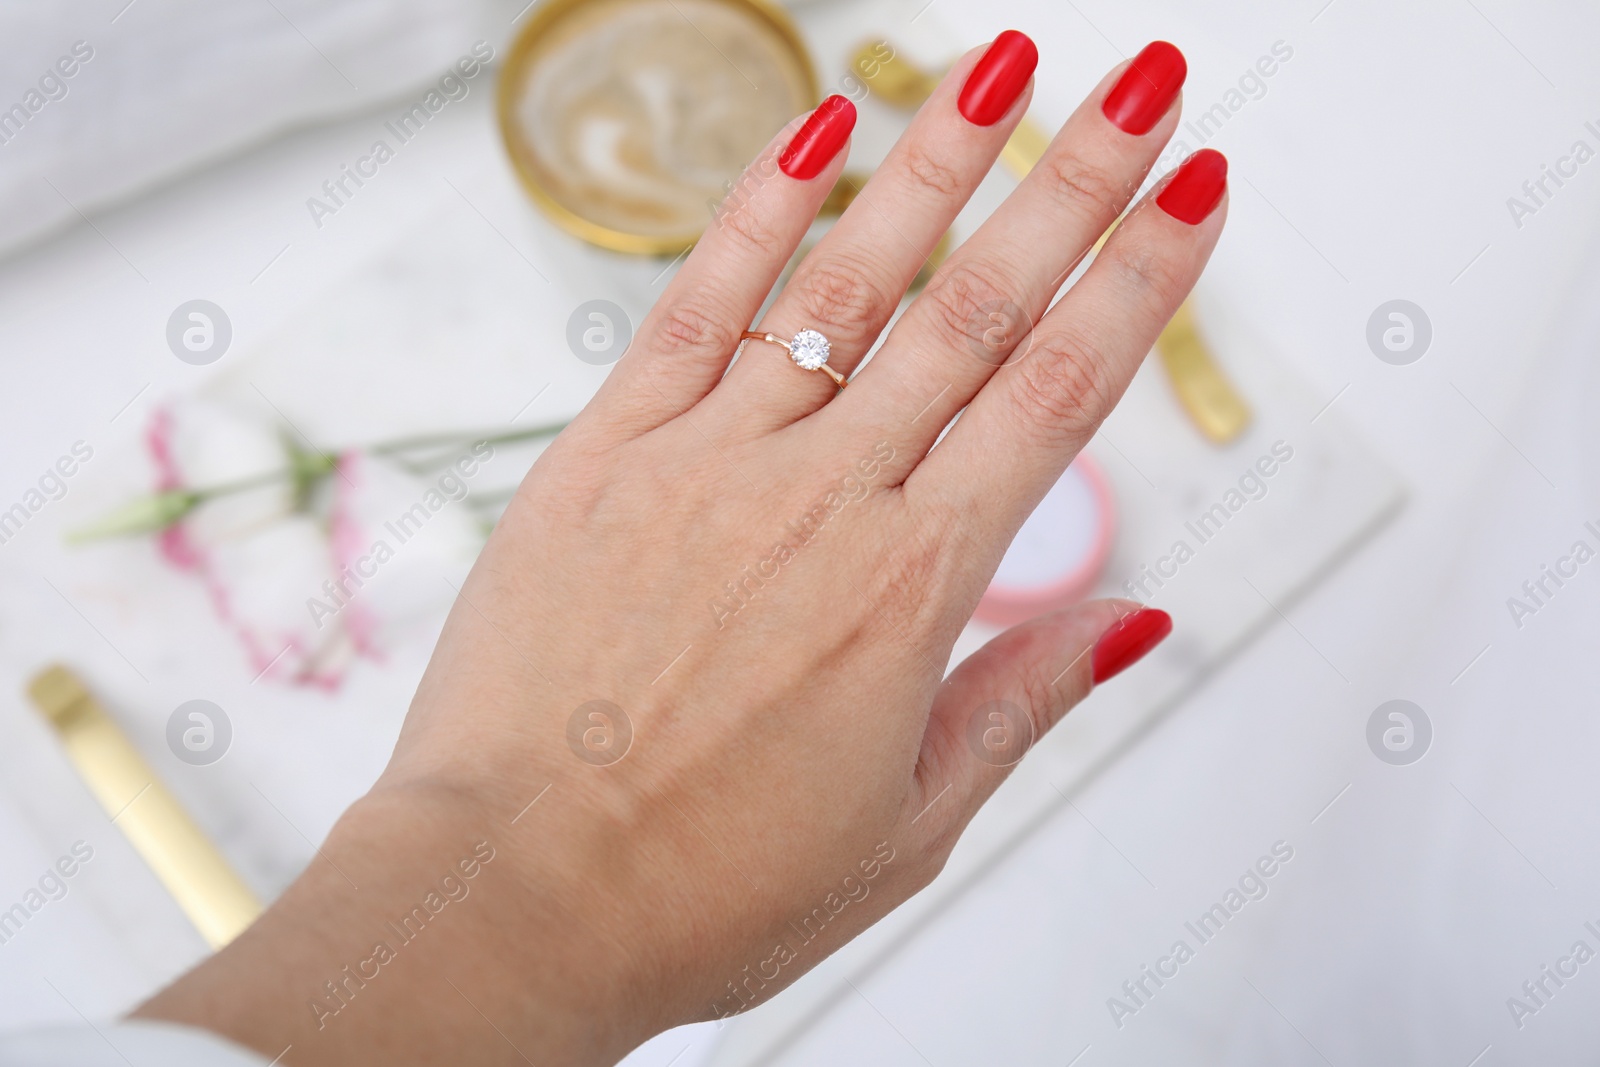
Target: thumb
pixel 1003 698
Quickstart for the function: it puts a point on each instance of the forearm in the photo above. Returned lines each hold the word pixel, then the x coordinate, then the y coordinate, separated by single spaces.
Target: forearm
pixel 396 945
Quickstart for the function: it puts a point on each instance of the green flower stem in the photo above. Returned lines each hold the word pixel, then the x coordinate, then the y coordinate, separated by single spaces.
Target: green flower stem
pixel 406 444
pixel 155 513
pixel 255 481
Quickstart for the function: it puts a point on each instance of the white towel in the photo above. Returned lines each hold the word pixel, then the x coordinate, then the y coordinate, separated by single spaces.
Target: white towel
pixel 103 101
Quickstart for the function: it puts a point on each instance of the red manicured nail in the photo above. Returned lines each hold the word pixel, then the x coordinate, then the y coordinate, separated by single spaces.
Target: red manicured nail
pixel 1196 189
pixel 820 139
pixel 998 78
pixel 1127 642
pixel 1146 89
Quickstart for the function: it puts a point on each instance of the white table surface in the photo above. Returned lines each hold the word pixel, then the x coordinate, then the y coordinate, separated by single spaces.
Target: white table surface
pixel 1376 166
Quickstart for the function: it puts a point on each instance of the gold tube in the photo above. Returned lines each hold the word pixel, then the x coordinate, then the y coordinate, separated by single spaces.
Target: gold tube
pixel 208 890
pixel 1212 402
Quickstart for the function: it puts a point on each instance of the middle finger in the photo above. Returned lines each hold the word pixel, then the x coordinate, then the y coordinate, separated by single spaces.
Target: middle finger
pixel 983 303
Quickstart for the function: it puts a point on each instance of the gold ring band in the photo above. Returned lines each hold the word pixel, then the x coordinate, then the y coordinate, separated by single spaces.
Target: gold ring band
pixel 809 350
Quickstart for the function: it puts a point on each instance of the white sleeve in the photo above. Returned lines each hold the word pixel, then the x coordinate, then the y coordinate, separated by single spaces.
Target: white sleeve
pixel 116 1044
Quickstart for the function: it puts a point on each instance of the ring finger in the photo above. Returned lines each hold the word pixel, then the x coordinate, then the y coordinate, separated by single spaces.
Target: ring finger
pixel 848 288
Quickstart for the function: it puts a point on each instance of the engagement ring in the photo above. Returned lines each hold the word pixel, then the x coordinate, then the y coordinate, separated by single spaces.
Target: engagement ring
pixel 809 350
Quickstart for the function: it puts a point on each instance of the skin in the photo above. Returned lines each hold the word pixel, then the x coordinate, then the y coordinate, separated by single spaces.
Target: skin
pixel 803 750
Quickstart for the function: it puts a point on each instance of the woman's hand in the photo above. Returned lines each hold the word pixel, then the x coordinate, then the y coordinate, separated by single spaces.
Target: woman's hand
pixel 688 725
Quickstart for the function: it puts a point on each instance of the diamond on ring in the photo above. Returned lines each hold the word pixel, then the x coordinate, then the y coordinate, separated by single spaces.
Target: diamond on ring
pixel 809 350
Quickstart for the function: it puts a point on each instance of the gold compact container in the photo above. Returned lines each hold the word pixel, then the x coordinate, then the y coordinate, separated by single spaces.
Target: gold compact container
pixel 626 120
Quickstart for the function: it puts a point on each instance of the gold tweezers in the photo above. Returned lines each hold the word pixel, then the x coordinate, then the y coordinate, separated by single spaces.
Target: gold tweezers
pixel 208 890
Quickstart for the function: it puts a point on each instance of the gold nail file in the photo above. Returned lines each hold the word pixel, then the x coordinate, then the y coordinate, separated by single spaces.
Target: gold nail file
pixel 208 890
pixel 1204 391
pixel 1025 148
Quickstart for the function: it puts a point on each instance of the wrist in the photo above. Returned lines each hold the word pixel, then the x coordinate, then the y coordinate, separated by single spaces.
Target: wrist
pixel 418 898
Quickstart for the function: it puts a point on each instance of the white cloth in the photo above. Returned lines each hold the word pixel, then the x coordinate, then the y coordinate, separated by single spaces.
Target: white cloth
pixel 119 1044
pixel 107 100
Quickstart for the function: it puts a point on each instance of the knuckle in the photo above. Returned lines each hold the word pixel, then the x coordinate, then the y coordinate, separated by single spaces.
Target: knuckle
pixel 932 174
pixel 746 230
pixel 842 297
pixel 1063 388
pixel 959 298
pixel 1038 696
pixel 692 326
pixel 1087 190
pixel 1152 278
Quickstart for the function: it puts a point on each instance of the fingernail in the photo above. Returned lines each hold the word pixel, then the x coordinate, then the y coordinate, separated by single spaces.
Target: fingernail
pixel 998 79
pixel 1146 89
pixel 820 139
pixel 1196 190
pixel 1128 641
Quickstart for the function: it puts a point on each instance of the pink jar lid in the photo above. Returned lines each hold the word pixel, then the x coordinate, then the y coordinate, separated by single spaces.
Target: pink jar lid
pixel 1060 552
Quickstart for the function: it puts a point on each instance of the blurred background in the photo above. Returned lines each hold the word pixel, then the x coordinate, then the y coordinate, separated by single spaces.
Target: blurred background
pixel 283 281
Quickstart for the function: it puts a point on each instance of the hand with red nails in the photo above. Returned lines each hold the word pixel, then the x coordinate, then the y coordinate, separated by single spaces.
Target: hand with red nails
pixel 690 725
